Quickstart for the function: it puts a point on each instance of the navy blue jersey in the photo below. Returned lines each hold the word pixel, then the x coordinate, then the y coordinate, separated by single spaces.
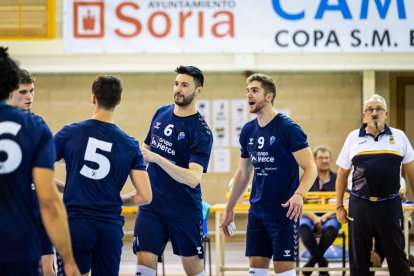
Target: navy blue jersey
pixel 276 172
pixel 99 157
pixel 182 140
pixel 25 142
pixel 328 186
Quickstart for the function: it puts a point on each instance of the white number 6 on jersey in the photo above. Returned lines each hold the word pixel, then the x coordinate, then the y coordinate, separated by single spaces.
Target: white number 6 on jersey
pixel 93 156
pixel 168 130
pixel 10 147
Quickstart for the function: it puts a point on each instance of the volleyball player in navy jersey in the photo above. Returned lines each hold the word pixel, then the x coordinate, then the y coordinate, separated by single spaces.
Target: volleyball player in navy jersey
pixel 23 98
pixel 177 147
pixel 27 156
pixel 99 156
pixel 274 147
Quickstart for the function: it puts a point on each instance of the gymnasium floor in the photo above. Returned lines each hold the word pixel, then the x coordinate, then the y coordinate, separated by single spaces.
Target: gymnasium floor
pixel 234 257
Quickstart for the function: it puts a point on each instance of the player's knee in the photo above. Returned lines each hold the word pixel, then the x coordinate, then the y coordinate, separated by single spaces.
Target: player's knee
pixel 145 271
pixel 258 271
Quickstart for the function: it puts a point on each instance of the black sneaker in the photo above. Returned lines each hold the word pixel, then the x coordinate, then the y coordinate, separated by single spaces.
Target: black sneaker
pixel 311 263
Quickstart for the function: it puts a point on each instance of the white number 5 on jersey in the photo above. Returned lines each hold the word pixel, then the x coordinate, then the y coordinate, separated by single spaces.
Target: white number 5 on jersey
pixel 93 156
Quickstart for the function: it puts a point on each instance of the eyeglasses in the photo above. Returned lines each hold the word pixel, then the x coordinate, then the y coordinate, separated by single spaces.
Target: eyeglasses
pixel 320 158
pixel 377 109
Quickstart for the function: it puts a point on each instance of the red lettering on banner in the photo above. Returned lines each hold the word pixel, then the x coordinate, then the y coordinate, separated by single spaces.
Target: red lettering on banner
pixel 167 24
pixel 133 21
pixel 230 23
pixel 200 24
pixel 219 29
pixel 183 17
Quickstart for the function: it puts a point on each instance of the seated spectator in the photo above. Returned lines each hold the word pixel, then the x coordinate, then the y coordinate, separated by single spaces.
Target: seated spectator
pixel 325 224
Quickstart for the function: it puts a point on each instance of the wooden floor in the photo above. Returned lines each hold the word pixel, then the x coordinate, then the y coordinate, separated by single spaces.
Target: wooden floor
pixel 234 256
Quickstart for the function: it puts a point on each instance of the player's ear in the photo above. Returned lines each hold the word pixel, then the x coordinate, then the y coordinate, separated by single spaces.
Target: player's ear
pixel 199 90
pixel 119 101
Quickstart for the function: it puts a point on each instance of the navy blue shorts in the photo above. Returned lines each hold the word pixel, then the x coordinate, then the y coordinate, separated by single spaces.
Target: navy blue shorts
pixel 97 246
pixel 29 268
pixel 152 232
pixel 278 238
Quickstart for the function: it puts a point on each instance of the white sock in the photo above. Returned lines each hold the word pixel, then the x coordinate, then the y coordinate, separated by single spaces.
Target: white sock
pixel 287 273
pixel 258 271
pixel 145 271
pixel 202 273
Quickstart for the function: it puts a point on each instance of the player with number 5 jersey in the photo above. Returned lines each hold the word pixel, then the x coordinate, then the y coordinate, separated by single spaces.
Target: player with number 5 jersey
pixel 177 147
pixel 99 156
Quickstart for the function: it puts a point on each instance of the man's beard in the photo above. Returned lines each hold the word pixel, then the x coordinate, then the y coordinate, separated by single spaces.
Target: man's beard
pixel 186 100
pixel 259 106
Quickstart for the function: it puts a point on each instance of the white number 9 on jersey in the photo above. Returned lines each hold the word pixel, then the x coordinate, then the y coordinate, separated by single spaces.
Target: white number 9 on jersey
pixel 10 148
pixel 93 156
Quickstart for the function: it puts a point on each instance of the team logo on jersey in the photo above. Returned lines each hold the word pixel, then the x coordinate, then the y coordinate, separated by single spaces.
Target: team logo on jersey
pixel 287 253
pixel 157 125
pixel 154 140
pixel 199 252
pixel 181 136
pixel 272 140
pixel 251 141
pixel 33 187
pixel 253 157
pixel 392 142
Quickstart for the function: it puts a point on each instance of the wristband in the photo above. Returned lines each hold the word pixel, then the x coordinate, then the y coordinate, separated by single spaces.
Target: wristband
pixel 342 206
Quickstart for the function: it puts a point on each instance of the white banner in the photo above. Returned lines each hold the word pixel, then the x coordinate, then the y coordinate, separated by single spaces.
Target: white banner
pixel 238 26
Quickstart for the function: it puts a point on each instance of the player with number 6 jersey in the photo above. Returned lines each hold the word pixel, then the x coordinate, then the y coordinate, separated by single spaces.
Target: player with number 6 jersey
pixel 99 156
pixel 27 156
pixel 177 147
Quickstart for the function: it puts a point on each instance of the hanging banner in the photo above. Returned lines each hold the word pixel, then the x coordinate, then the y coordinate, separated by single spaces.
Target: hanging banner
pixel 238 26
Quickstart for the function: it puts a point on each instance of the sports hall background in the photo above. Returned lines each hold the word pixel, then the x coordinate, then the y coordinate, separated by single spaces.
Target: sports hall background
pixel 324 92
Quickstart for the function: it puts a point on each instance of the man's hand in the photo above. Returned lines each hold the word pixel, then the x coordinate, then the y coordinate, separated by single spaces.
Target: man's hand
pixel 227 223
pixel 342 215
pixel 295 204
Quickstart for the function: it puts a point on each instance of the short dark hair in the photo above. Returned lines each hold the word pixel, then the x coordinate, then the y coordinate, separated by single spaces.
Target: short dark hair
pixel 107 90
pixel 321 148
pixel 9 79
pixel 192 71
pixel 267 82
pixel 25 77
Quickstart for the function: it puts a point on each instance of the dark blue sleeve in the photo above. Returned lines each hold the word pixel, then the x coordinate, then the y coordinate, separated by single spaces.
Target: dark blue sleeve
pixel 200 150
pixel 148 138
pixel 45 153
pixel 59 140
pixel 295 137
pixel 138 162
pixel 243 142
